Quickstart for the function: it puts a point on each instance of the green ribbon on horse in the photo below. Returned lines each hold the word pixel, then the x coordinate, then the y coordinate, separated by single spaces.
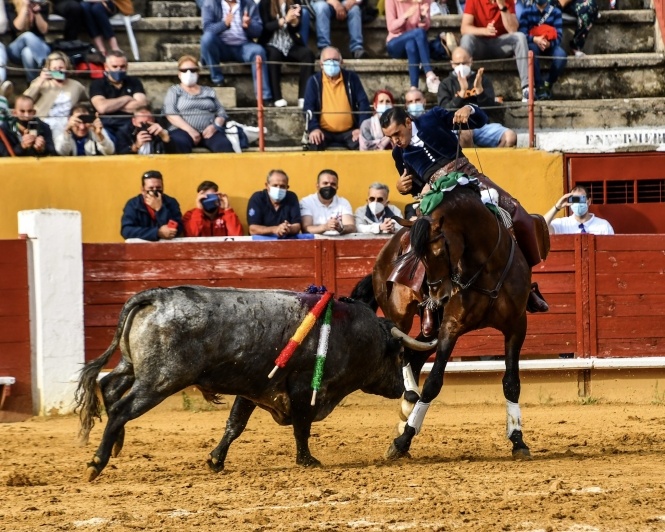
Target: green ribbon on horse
pixel 432 199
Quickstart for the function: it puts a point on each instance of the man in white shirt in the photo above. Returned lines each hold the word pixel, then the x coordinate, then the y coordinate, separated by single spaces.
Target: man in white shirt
pixel 325 212
pixel 377 215
pixel 580 219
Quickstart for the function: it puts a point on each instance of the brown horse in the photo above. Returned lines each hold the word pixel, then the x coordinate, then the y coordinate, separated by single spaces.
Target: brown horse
pixel 476 272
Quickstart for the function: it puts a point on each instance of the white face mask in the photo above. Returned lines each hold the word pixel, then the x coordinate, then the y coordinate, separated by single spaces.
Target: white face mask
pixel 463 70
pixel 277 194
pixel 383 107
pixel 375 207
pixel 189 78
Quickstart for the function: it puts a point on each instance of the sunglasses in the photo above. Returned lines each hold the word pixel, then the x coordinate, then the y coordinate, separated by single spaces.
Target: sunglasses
pixel 378 200
pixel 183 70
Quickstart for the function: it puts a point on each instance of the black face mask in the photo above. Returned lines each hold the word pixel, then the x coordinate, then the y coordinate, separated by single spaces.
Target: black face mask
pixel 327 192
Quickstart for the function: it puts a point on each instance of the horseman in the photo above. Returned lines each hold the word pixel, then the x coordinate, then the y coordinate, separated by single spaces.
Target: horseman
pixel 425 149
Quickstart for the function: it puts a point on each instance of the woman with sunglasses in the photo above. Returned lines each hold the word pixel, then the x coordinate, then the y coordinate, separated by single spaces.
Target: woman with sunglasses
pixel 197 117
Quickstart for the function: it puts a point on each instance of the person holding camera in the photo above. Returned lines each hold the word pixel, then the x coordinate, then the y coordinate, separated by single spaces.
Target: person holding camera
pixel 27 135
pixel 580 219
pixel 152 215
pixel 213 215
pixel 84 135
pixel 28 25
pixel 147 137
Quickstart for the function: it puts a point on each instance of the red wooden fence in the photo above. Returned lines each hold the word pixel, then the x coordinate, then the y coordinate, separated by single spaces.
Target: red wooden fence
pixel 15 328
pixel 606 294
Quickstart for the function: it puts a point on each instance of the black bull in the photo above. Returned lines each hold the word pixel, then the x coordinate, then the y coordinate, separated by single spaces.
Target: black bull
pixel 225 341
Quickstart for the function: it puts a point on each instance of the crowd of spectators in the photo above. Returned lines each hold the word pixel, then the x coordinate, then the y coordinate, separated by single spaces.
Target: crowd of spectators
pixel 273 212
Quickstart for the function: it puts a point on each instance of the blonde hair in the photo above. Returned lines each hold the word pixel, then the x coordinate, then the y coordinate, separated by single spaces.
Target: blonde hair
pixel 58 56
pixel 186 58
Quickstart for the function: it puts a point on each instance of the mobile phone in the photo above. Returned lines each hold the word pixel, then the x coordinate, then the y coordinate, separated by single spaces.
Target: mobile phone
pixel 32 127
pixel 57 74
pixel 87 118
pixel 172 224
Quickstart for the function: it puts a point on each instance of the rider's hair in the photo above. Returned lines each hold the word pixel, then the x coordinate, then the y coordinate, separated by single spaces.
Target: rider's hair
pixel 395 114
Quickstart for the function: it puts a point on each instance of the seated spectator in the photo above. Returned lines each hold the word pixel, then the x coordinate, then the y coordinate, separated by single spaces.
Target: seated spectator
pixel 84 135
pixel 542 24
pixel 348 10
pixel 377 216
pixel 580 219
pixel 97 17
pixel 464 86
pixel 4 26
pixel 490 30
pixel 213 215
pixel 371 135
pixel 334 120
pixel 27 134
pixel 55 93
pixel 408 22
pixel 72 12
pixel 28 26
pixel 116 95
pixel 6 87
pixel 283 43
pixel 274 211
pixel 152 215
pixel 586 12
pixel 197 117
pixel 325 212
pixel 147 137
pixel 229 30
pixel 415 102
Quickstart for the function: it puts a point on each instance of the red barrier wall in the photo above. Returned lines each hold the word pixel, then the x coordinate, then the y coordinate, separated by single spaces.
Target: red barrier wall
pixel 15 328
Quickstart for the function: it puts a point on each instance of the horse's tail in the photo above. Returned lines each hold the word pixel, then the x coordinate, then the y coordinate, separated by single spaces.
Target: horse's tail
pixel 420 237
pixel 87 401
pixel 364 291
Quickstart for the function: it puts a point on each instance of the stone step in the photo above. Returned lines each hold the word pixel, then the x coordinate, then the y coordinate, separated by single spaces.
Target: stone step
pixel 172 8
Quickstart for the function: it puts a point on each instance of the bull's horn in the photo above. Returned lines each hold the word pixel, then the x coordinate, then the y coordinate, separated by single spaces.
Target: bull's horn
pixel 414 344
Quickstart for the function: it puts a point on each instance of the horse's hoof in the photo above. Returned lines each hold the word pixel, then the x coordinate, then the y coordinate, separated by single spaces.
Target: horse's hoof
pixel 405 409
pixel 308 461
pixel 215 465
pixel 91 473
pixel 393 453
pixel 521 454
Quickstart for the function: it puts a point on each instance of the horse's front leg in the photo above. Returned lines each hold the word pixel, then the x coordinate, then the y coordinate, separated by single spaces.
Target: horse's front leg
pixel 431 389
pixel 512 388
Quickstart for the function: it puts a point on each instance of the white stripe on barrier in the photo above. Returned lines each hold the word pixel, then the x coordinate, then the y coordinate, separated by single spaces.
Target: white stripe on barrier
pixel 7 381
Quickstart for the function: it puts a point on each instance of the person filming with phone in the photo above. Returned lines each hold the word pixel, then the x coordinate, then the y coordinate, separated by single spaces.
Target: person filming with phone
pixel 84 134
pixel 580 220
pixel 213 215
pixel 27 134
pixel 152 215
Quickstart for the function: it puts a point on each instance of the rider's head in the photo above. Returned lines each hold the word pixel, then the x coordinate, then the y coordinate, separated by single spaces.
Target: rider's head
pixel 396 124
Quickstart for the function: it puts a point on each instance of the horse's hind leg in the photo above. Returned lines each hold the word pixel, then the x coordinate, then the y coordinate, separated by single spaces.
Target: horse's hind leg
pixel 113 386
pixel 240 413
pixel 511 390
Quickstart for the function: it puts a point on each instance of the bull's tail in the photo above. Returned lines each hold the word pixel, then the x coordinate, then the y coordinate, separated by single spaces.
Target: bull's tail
pixel 364 291
pixel 87 401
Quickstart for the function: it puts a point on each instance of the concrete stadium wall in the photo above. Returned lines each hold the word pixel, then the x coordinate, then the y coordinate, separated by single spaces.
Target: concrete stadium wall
pixel 98 187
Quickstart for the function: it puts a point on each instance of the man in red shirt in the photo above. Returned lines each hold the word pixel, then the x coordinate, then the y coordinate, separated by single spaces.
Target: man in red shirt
pixel 490 30
pixel 213 215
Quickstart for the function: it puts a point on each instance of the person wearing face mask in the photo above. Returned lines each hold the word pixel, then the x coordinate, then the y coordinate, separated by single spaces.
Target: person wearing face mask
pixel 213 215
pixel 464 86
pixel 377 216
pixel 55 93
pixel 27 135
pixel 414 100
pixel 580 220
pixel 196 115
pixel 542 23
pixel 274 211
pixel 147 136
pixel 325 212
pixel 335 105
pixel 371 136
pixel 116 95
pixel 84 135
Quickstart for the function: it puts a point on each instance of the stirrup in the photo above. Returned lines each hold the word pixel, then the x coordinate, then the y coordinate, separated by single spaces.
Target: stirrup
pixel 536 301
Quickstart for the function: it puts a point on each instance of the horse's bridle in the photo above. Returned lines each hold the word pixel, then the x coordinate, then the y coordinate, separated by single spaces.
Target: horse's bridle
pixel 456 277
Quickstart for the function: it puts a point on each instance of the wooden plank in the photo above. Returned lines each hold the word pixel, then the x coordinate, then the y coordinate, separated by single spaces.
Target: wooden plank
pixel 14 329
pixel 369 247
pixel 13 254
pixel 557 261
pixel 14 302
pixel 14 356
pixel 13 278
pixel 631 242
pixel 645 326
pixel 492 345
pixel 555 283
pixel 356 267
pixel 631 347
pixel 630 283
pixel 630 305
pixel 614 262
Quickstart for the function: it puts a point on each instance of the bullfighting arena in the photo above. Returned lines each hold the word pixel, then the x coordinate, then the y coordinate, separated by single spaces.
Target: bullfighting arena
pixel 598 466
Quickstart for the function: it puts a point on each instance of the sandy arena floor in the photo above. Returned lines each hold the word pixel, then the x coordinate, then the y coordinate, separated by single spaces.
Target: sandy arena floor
pixel 596 467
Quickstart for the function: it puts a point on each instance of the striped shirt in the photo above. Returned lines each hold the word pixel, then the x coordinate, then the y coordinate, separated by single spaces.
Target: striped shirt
pixel 198 110
pixel 531 17
pixel 235 34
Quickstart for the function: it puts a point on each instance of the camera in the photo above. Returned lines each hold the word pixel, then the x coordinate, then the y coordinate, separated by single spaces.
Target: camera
pixel 87 119
pixel 210 202
pixel 576 199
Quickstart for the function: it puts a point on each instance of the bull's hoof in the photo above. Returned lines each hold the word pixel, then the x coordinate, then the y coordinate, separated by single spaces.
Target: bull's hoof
pixel 308 461
pixel 406 407
pixel 215 465
pixel 521 454
pixel 91 473
pixel 393 453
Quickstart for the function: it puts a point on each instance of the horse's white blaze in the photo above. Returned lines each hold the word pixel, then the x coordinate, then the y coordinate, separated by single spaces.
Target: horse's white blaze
pixel 418 415
pixel 410 384
pixel 513 418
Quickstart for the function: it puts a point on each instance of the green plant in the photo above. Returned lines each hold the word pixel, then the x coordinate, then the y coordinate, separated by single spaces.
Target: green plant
pixel 186 402
pixel 658 397
pixel 589 400
pixel 544 398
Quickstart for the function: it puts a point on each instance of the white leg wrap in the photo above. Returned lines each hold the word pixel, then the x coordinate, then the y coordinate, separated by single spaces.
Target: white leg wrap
pixel 410 384
pixel 513 418
pixel 418 415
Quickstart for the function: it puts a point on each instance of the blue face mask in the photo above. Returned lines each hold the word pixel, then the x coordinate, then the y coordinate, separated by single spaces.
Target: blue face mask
pixel 416 109
pixel 579 209
pixel 331 68
pixel 383 107
pixel 277 194
pixel 117 75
